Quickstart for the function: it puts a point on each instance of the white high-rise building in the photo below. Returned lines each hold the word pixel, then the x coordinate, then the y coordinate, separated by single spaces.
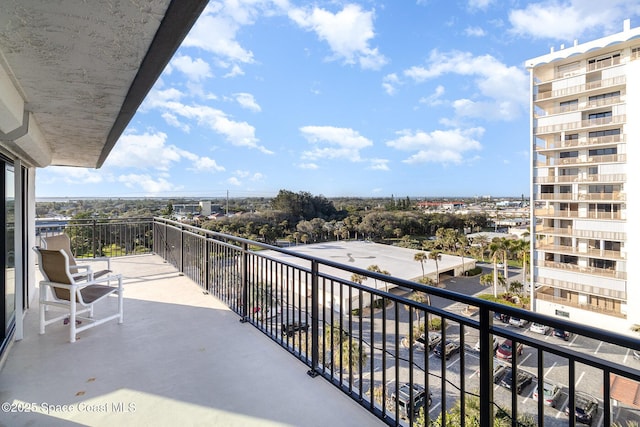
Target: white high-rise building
pixel 585 181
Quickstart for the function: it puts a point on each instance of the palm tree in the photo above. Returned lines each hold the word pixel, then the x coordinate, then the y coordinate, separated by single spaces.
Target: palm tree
pixel 462 246
pixel 483 241
pixel 521 248
pixel 377 269
pixel 436 256
pixel 495 248
pixel 421 257
pixel 420 297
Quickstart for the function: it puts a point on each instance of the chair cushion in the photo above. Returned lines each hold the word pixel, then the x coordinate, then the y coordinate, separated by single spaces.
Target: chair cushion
pixel 96 274
pixel 93 293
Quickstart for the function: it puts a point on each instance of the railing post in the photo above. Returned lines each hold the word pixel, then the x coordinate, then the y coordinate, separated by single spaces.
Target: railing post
pixel 486 368
pixel 245 283
pixel 181 263
pixel 315 321
pixel 207 264
pixel 93 237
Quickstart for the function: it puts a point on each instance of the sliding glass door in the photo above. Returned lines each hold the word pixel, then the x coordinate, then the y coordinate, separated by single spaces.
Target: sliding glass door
pixel 7 241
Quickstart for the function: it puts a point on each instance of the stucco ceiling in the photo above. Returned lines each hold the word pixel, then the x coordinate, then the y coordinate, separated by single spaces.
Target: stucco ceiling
pixel 82 68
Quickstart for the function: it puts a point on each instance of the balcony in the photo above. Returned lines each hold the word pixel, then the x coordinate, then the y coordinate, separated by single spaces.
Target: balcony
pixel 204 341
pixel 581 142
pixel 180 358
pixel 581 125
pixel 546 93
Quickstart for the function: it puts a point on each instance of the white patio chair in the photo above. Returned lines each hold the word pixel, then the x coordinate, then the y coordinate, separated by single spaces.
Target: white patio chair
pixel 76 297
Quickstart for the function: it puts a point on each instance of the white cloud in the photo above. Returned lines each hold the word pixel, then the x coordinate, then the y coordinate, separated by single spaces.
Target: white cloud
pixel 379 164
pixel 74 175
pixel 145 151
pixel 569 20
pixel 215 31
pixel 348 33
pixel 474 32
pixel 343 143
pixel 148 184
pixel 194 69
pixel 448 146
pixel 240 134
pixel 234 181
pixel 246 100
pixel 480 4
pixel 390 82
pixel 504 89
pixel 434 99
pixel 150 151
pixel 311 166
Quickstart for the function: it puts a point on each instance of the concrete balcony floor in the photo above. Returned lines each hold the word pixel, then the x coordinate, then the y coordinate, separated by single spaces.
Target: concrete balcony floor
pixel 180 358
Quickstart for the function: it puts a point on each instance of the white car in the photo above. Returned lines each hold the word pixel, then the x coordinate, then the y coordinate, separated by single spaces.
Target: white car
pixel 495 344
pixel 539 328
pixel 521 323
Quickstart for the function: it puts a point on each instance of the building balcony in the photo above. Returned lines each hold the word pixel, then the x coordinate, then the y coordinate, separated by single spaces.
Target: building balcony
pixel 582 178
pixel 181 357
pixel 581 142
pixel 605 197
pixel 546 93
pixel 593 271
pixel 582 106
pixel 573 303
pixel 581 234
pixel 565 213
pixel 590 252
pixel 219 331
pixel 577 126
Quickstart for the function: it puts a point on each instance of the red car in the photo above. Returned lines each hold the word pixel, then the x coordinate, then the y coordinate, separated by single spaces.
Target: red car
pixel 505 350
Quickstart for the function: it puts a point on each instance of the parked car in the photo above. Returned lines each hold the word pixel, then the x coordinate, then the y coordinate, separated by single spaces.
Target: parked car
pixel 446 349
pixel 431 342
pixel 505 350
pixel 550 393
pixel 539 328
pixel 523 379
pixel 405 407
pixel 586 408
pixel 521 323
pixel 636 354
pixel 498 372
pixel 560 333
pixel 289 329
pixel 501 317
pixel 495 344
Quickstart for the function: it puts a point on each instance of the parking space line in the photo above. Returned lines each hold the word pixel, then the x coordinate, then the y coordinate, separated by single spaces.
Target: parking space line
pixel 598 348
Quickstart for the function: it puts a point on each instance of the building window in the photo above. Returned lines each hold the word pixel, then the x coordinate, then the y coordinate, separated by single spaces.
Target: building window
pixel 635 53
pixel 593 170
pixel 600 115
pixel 603 151
pixel 569 172
pixel 571 137
pixel 603 188
pixel 607 132
pixel 602 263
pixel 565 189
pixel 604 96
pixel 603 61
pixel 569 105
pixel 568 154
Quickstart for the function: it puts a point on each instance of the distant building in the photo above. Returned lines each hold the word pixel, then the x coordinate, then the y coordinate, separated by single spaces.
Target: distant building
pixel 585 125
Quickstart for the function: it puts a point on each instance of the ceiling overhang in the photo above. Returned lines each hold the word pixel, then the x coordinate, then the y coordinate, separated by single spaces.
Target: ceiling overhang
pixel 73 73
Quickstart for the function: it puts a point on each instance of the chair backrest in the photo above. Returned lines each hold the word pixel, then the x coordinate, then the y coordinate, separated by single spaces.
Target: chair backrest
pixel 59 242
pixel 54 265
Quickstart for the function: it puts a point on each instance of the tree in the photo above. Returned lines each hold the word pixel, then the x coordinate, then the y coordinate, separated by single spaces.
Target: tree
pixel 521 248
pixel 436 256
pixel 498 248
pixel 377 269
pixel 420 257
pixel 483 241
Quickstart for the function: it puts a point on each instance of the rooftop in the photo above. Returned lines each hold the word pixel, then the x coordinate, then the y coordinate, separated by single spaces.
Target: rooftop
pixel 181 358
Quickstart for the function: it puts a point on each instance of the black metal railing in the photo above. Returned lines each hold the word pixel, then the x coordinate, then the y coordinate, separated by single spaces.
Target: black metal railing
pixel 356 336
pixel 366 340
pixel 91 238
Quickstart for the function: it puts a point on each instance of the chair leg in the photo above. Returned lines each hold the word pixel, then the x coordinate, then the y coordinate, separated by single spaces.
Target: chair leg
pixel 120 301
pixel 72 317
pixel 42 308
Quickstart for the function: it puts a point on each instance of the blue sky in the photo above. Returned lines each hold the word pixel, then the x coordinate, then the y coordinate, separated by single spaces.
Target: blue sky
pixel 420 98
